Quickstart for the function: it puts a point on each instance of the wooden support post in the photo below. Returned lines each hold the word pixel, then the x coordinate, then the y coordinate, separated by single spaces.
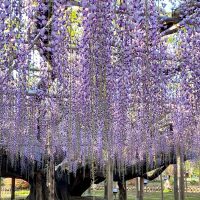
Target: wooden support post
pixel 13 189
pixel 180 172
pixel 186 186
pixel 175 183
pixel 0 186
pixel 105 189
pixel 51 170
pixel 125 190
pixel 109 180
pixel 51 180
pixel 185 178
pixel 161 184
pixel 137 181
pixel 199 173
pixel 141 188
pixel 38 186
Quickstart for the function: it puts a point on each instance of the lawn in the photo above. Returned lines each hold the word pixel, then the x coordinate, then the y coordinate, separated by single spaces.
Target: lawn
pixel 21 194
pixel 154 195
pixel 131 195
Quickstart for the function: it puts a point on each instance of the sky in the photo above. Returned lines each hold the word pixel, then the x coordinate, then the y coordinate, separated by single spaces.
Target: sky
pixel 169 5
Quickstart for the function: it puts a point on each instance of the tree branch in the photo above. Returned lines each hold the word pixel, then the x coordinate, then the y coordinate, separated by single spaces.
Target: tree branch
pixel 155 174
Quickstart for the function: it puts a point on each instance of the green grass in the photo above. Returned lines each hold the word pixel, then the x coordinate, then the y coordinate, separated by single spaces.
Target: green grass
pixel 20 194
pixel 153 195
pixel 167 196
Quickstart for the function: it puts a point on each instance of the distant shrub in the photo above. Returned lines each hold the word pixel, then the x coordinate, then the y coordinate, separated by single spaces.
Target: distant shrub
pixel 167 190
pixel 193 182
pixel 171 181
pixel 22 185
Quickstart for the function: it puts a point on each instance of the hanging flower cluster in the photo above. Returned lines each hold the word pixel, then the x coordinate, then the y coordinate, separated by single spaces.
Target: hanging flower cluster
pixel 97 82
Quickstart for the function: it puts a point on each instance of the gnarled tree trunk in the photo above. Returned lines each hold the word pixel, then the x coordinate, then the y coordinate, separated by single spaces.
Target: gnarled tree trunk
pixel 38 189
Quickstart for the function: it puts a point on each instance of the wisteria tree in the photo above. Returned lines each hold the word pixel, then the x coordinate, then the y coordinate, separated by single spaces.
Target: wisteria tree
pixel 96 85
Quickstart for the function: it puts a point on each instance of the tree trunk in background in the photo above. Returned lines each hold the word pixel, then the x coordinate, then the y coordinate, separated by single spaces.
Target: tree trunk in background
pixel 89 191
pixel 62 187
pixel 175 183
pixel 141 188
pixel 122 190
pixel 180 172
pixel 13 189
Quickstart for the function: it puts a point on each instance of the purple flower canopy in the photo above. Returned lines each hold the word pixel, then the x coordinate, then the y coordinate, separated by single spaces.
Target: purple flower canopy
pixel 97 79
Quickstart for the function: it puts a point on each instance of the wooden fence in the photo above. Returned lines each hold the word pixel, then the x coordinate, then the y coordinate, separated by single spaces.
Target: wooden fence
pixel 189 189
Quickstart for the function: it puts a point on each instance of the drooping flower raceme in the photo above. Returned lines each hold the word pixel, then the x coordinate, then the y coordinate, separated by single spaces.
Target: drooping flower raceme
pixel 97 81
